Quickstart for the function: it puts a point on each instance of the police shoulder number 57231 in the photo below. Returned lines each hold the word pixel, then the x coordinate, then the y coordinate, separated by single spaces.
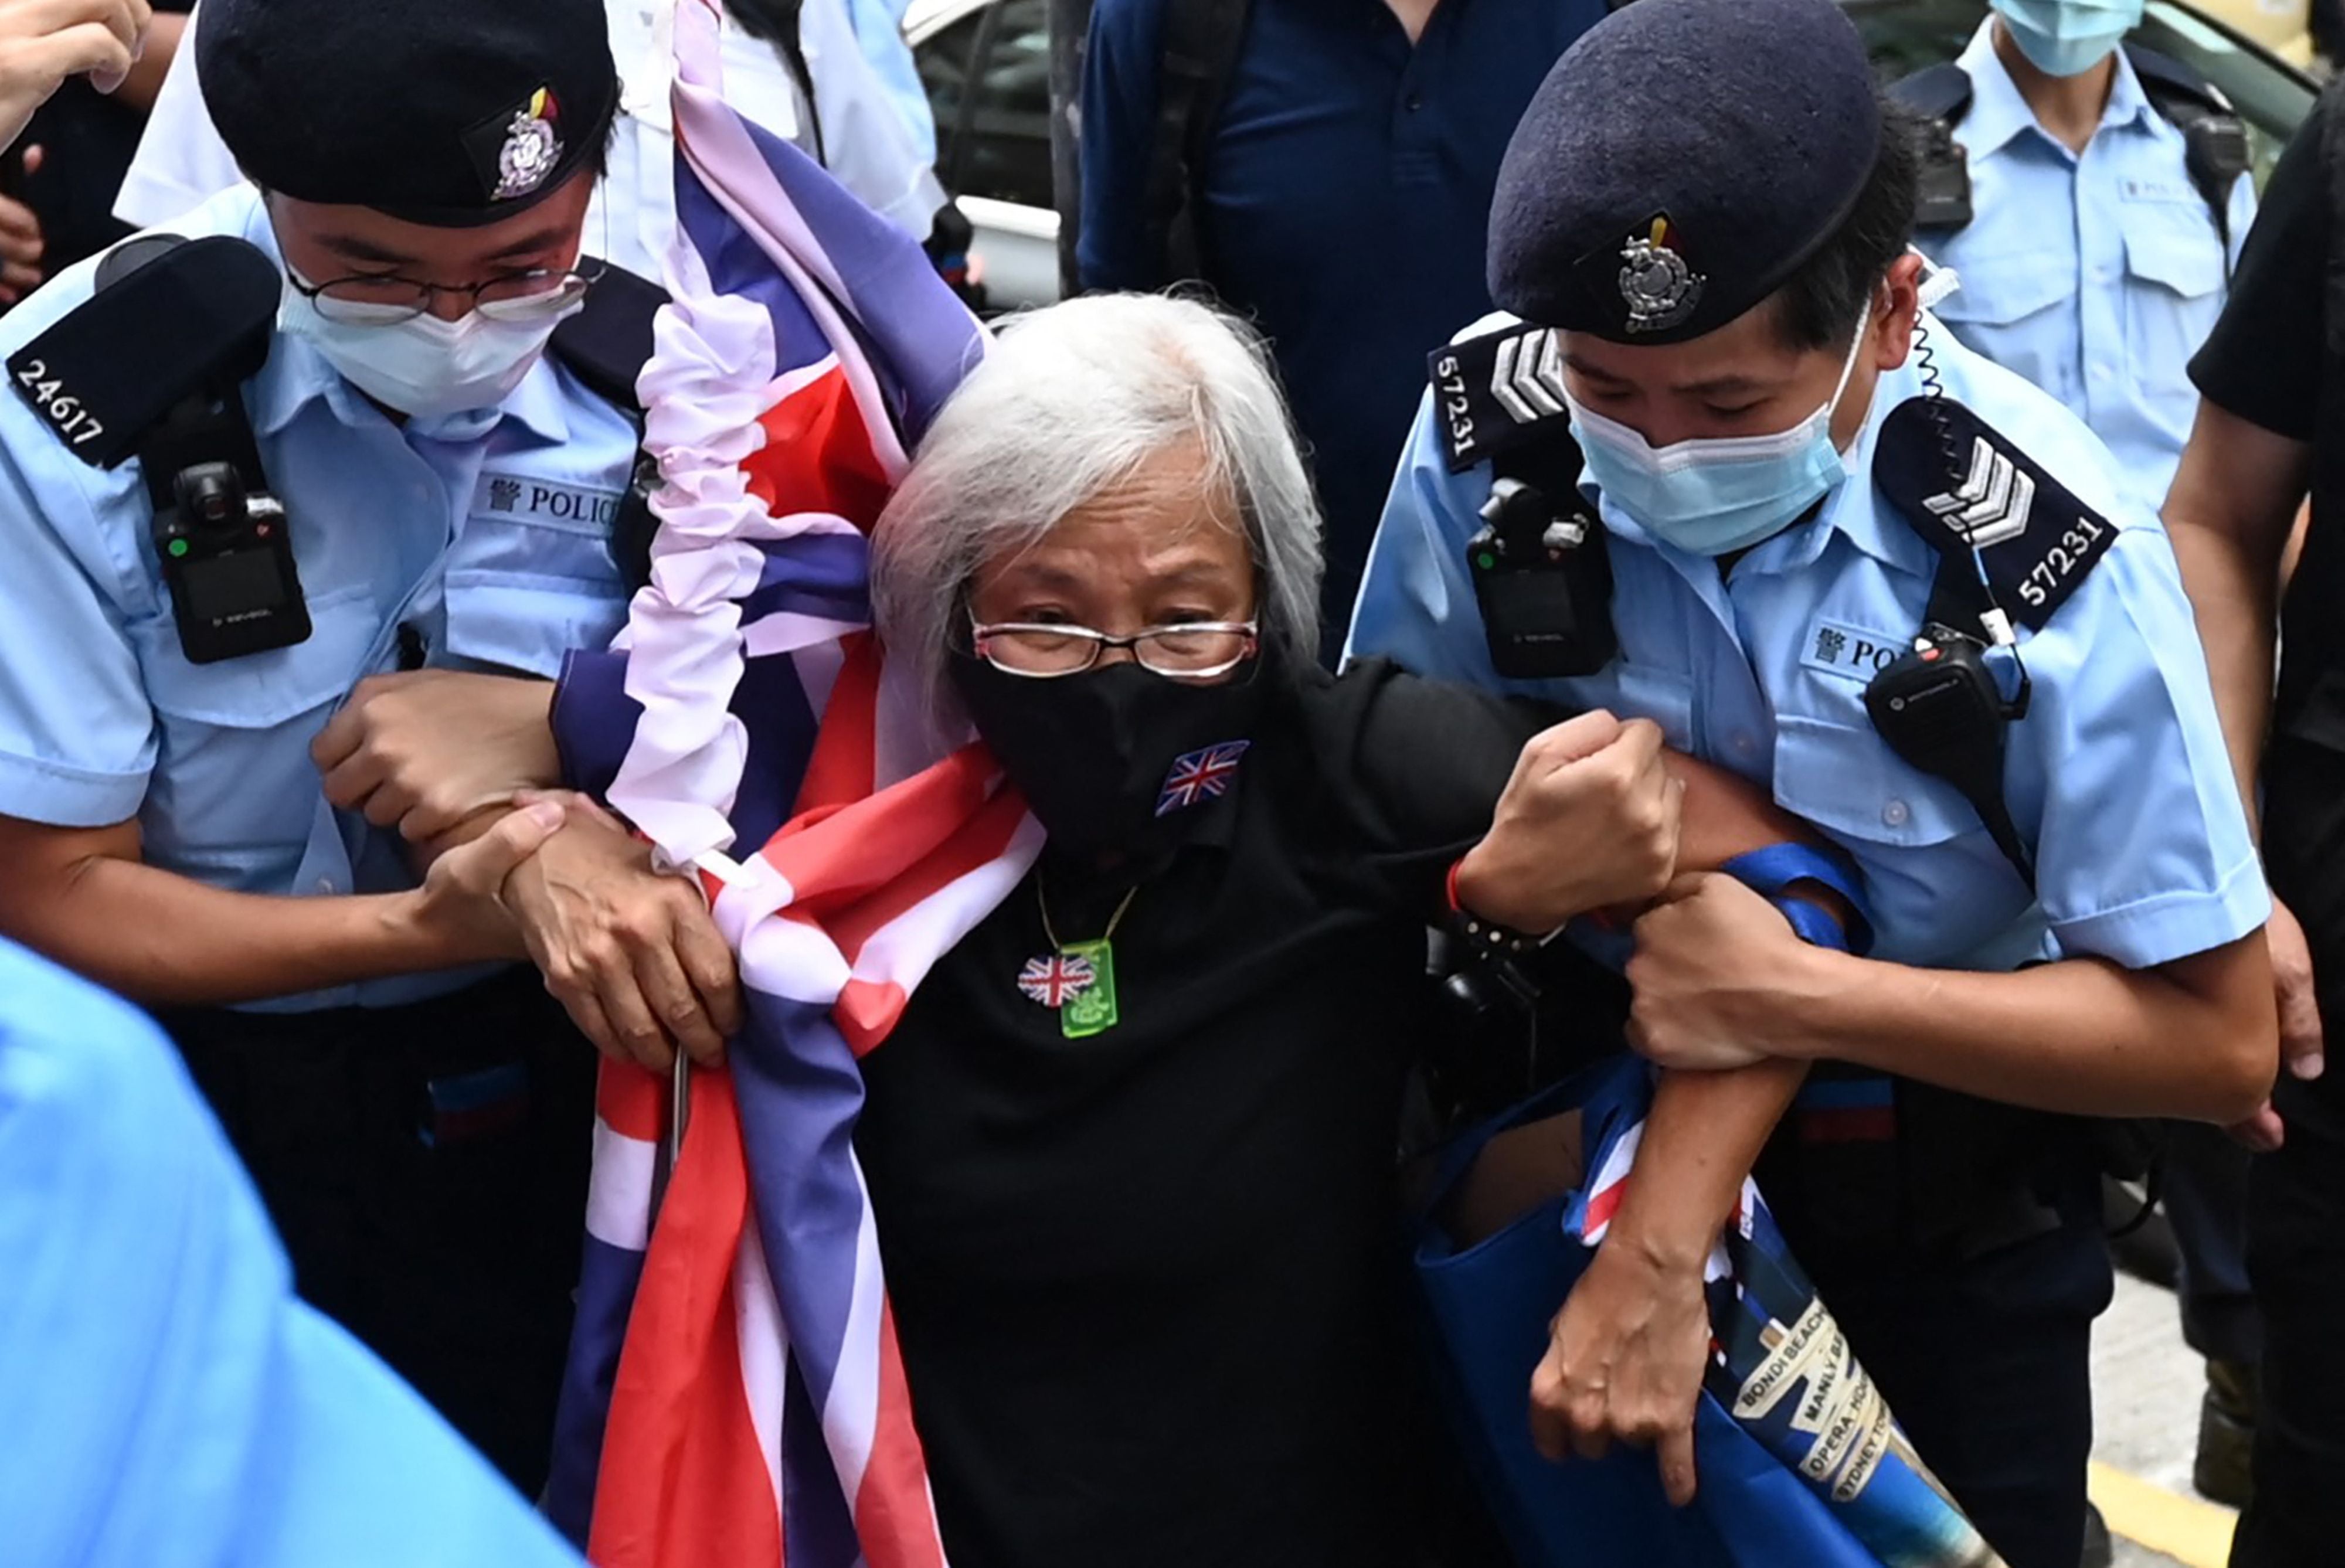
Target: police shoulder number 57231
pixel 2076 548
pixel 47 393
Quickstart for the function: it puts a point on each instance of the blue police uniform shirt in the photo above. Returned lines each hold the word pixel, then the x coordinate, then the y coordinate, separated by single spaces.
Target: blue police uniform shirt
pixel 2097 276
pixel 1347 193
pixel 487 531
pixel 2116 778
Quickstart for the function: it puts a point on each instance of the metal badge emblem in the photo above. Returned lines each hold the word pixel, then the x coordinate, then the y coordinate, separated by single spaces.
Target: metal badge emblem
pixel 1659 288
pixel 532 149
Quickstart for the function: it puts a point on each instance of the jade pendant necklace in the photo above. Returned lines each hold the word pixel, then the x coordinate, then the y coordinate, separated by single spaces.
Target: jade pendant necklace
pixel 1075 979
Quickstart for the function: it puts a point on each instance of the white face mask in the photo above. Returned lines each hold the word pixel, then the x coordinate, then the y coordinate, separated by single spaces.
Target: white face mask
pixel 422 366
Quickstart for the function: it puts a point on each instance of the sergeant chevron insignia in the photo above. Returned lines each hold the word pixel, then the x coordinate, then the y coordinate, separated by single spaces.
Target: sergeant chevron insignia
pixel 2035 539
pixel 1497 388
pixel 1991 505
pixel 1527 377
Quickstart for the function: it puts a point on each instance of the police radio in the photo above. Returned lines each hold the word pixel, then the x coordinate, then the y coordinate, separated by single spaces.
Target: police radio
pixel 154 366
pixel 1543 584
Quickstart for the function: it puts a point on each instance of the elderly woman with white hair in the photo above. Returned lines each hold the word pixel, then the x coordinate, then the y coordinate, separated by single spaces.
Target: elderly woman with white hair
pixel 1139 1243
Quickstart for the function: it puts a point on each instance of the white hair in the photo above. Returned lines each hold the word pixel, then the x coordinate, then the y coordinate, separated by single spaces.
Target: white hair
pixel 1071 399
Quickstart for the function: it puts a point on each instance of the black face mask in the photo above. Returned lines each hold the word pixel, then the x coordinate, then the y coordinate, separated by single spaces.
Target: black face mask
pixel 1116 760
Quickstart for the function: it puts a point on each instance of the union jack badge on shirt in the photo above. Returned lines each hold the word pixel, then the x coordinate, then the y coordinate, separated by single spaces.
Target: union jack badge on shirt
pixel 1200 775
pixel 1056 978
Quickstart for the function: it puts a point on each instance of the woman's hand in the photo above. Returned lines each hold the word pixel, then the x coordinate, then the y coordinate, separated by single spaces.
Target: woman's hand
pixel 633 954
pixel 425 750
pixel 457 914
pixel 1589 820
pixel 1624 1363
pixel 1720 978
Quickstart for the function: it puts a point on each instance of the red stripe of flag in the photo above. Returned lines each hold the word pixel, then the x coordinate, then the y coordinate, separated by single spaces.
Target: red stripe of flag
pixel 817 456
pixel 683 1479
pixel 897 1470
pixel 632 1101
pixel 845 749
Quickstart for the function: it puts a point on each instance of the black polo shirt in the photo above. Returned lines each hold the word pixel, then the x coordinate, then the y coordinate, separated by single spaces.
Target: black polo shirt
pixel 2277 359
pixel 1146 1282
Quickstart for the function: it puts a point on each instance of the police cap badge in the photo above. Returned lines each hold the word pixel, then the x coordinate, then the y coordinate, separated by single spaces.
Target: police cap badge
pixel 1679 164
pixel 451 113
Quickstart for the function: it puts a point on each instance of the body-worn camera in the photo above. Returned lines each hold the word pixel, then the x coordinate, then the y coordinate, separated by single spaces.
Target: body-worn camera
pixel 229 565
pixel 152 366
pixel 1543 584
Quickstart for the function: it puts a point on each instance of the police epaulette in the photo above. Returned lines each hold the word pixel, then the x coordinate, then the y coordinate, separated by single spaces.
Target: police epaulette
pixel 196 318
pixel 1961 484
pixel 1498 389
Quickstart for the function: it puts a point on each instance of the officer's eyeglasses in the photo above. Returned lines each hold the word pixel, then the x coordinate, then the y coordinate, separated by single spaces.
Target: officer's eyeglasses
pixel 363 300
pixel 1193 650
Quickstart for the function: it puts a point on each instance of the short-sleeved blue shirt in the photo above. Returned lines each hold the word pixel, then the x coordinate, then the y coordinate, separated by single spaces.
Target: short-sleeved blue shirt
pixel 2116 778
pixel 1347 193
pixel 486 531
pixel 2096 275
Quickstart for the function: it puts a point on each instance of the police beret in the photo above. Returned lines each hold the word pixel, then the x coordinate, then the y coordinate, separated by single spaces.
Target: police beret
pixel 1680 163
pixel 452 112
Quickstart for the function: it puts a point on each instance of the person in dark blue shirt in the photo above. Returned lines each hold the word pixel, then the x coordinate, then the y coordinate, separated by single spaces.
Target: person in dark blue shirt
pixel 1344 201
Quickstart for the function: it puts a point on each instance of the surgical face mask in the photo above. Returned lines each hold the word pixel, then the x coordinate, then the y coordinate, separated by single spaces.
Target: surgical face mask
pixel 422 366
pixel 1712 495
pixel 2069 37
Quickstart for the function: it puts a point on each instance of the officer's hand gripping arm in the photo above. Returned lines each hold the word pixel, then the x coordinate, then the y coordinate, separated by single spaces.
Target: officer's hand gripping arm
pixel 1626 1354
pixel 424 751
pixel 1716 977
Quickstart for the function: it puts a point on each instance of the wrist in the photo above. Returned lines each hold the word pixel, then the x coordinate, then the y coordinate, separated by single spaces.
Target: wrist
pixel 1660 1253
pixel 1787 1019
pixel 1478 889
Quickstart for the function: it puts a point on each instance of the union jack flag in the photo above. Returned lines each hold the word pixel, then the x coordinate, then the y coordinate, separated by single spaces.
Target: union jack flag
pixel 735 1395
pixel 1057 979
pixel 1204 774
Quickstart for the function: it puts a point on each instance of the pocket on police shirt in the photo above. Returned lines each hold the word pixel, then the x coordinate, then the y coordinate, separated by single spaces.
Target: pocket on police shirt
pixel 261 691
pixel 1845 781
pixel 533 576
pixel 234 792
pixel 2174 269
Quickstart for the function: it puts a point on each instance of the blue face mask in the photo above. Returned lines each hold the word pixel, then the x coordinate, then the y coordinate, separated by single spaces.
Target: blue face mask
pixel 1713 496
pixel 2069 37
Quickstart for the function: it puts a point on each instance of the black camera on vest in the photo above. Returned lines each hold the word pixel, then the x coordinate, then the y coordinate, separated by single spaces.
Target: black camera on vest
pixel 154 366
pixel 1543 584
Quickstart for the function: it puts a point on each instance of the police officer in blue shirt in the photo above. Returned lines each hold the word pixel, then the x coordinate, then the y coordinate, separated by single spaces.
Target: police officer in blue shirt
pixel 1906 591
pixel 320 439
pixel 2091 198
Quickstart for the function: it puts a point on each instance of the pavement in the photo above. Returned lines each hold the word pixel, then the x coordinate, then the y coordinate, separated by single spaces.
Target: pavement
pixel 2146 1389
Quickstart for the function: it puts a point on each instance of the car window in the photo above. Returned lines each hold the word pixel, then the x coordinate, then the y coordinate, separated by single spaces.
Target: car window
pixel 1006 153
pixel 944 61
pixel 1909 35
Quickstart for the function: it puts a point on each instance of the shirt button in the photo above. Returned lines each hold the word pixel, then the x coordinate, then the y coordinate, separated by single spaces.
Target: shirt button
pixel 325 885
pixel 1414 102
pixel 1896 813
pixel 1742 742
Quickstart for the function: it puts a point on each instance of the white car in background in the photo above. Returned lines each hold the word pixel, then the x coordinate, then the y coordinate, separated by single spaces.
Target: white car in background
pixel 987 68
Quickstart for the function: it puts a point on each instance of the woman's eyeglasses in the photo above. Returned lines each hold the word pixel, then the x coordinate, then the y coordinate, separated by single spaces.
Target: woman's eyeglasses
pixel 1191 651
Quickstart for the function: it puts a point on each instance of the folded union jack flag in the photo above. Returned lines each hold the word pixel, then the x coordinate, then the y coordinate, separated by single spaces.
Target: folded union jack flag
pixel 735 1395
